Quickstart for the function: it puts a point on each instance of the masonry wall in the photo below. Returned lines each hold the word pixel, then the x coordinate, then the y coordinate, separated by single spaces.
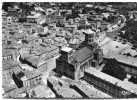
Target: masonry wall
pixel 107 87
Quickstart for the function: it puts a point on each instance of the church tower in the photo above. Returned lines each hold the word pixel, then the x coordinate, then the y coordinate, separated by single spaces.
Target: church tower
pixel 89 36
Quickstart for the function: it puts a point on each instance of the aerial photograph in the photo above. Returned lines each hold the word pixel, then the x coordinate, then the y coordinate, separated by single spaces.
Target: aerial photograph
pixel 75 50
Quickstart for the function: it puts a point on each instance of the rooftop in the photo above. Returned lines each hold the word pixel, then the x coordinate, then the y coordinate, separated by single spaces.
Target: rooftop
pixel 66 49
pixel 32 74
pixel 8 64
pixel 88 31
pixel 82 54
pixel 34 16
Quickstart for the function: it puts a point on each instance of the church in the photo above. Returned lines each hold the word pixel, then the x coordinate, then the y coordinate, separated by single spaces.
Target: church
pixel 72 63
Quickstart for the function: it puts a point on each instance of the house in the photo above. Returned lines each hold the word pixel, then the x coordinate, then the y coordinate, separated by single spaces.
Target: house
pixel 36 18
pixel 30 59
pixel 73 43
pixel 10 54
pixel 7 69
pixel 31 78
pixel 44 52
pixel 55 19
pixel 110 85
pixel 13 11
pixel 82 22
pixel 27 78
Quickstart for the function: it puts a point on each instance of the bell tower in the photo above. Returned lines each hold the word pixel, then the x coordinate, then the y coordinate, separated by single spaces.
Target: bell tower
pixel 89 36
pixel 67 54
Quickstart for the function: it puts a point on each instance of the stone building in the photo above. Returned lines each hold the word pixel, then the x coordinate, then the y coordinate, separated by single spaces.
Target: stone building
pixel 72 63
pixel 7 70
pixel 10 54
pixel 27 78
pixel 110 85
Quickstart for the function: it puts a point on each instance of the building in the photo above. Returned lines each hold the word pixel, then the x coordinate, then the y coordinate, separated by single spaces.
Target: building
pixel 72 63
pixel 55 19
pixel 27 78
pixel 74 43
pixel 10 54
pixel 7 70
pixel 110 85
pixel 37 18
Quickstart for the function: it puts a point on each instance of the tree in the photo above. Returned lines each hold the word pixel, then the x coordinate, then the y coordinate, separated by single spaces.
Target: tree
pixel 114 69
pixel 5 5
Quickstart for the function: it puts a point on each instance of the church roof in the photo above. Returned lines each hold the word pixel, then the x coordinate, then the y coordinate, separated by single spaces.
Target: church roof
pixel 82 54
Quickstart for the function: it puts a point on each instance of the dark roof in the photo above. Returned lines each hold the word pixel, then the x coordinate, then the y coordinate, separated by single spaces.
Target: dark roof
pixel 34 60
pixel 82 54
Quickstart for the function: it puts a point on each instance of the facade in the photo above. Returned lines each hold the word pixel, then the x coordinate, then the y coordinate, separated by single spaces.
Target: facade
pixel 110 85
pixel 29 78
pixel 10 54
pixel 37 18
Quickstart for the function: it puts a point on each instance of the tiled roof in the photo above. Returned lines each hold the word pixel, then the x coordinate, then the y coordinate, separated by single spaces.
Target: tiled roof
pixel 8 64
pixel 82 54
pixel 7 89
pixel 17 69
pixel 8 52
pixel 32 74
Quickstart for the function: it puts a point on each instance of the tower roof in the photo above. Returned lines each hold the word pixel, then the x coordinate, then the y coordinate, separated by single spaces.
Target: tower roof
pixel 89 31
pixel 66 49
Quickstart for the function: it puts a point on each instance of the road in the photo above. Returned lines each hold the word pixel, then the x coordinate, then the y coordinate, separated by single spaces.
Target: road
pixel 113 33
pixel 51 64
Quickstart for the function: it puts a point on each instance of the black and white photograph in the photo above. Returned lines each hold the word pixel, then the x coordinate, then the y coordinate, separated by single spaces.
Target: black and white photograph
pixel 69 50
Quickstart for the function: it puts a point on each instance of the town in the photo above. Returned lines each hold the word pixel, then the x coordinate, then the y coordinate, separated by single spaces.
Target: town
pixel 69 50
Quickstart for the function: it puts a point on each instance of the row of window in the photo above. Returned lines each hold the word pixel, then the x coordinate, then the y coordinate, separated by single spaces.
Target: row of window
pixel 8 57
pixel 32 82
